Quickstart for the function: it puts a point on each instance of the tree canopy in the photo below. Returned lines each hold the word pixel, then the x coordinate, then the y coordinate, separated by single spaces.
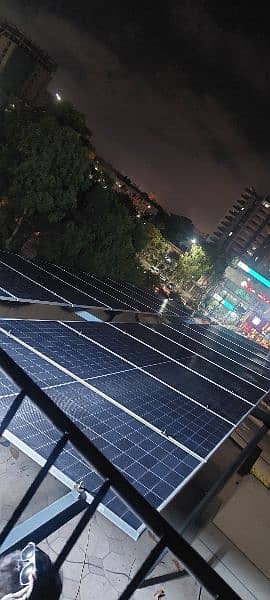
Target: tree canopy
pixel 61 204
pixel 191 266
pixel 44 165
pixel 101 238
pixel 178 229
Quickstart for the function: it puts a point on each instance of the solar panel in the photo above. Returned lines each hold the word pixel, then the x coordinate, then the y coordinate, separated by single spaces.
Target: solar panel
pixel 178 417
pixel 42 373
pixel 179 372
pixel 91 364
pixel 26 280
pixel 238 338
pixel 156 400
pixel 83 358
pixel 144 295
pixel 51 283
pixel 20 286
pixel 155 465
pixel 202 339
pixel 233 369
pixel 47 282
pixel 82 349
pixel 111 294
pixel 227 345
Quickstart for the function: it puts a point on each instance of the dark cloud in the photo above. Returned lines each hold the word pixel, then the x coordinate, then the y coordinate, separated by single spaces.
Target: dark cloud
pixel 176 96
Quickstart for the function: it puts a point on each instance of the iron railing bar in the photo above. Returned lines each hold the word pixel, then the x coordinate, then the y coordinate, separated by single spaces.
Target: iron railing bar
pixel 33 487
pixel 12 410
pixel 191 559
pixel 81 525
pixel 144 569
pixel 163 578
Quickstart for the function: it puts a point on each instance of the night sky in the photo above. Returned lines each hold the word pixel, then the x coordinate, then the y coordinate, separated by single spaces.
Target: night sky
pixel 177 93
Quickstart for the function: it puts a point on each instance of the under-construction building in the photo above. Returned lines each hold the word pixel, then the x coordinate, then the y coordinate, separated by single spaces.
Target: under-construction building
pixel 25 69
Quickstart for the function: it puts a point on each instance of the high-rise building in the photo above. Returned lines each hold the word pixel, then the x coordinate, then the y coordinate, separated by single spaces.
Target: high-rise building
pixel 245 229
pixel 25 69
pixel 242 297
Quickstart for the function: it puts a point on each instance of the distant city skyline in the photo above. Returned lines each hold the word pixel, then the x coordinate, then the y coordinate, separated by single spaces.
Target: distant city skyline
pixel 176 97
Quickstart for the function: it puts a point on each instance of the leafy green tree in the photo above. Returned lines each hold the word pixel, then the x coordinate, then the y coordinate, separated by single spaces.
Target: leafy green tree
pixel 68 116
pixel 45 165
pixel 101 238
pixel 218 260
pixel 156 247
pixel 192 265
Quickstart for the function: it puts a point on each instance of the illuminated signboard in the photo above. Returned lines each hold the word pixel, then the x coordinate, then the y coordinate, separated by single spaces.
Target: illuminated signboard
pixel 228 305
pixel 254 274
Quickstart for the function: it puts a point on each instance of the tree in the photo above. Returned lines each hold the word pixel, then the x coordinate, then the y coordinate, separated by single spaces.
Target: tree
pixel 192 265
pixel 218 260
pixel 101 237
pixel 156 246
pixel 68 116
pixel 45 165
pixel 178 229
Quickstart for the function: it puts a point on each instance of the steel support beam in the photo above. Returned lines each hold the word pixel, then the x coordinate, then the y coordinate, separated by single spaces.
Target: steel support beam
pixel 45 522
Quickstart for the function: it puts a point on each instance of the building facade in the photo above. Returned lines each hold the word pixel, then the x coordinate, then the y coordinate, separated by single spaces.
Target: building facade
pixel 25 69
pixel 245 229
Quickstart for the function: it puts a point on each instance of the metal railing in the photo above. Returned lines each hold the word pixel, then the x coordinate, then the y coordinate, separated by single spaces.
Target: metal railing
pixel 169 538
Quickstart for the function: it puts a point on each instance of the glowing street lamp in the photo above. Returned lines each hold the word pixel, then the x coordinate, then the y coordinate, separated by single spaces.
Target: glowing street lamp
pixel 58 97
pixel 193 241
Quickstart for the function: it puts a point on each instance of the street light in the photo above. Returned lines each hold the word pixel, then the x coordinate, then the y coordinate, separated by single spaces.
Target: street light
pixel 58 97
pixel 193 241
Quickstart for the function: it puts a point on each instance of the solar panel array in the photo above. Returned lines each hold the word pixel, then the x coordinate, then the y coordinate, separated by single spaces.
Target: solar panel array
pixel 157 400
pixel 22 279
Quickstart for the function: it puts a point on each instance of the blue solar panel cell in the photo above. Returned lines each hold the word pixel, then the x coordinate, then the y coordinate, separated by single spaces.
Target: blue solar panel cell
pixel 244 369
pixel 157 456
pixel 187 358
pixel 41 372
pixel 187 381
pixel 93 287
pixel 65 347
pixel 21 287
pixel 50 288
pixel 235 340
pixel 191 425
pixel 114 340
pixel 222 402
pixel 230 349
